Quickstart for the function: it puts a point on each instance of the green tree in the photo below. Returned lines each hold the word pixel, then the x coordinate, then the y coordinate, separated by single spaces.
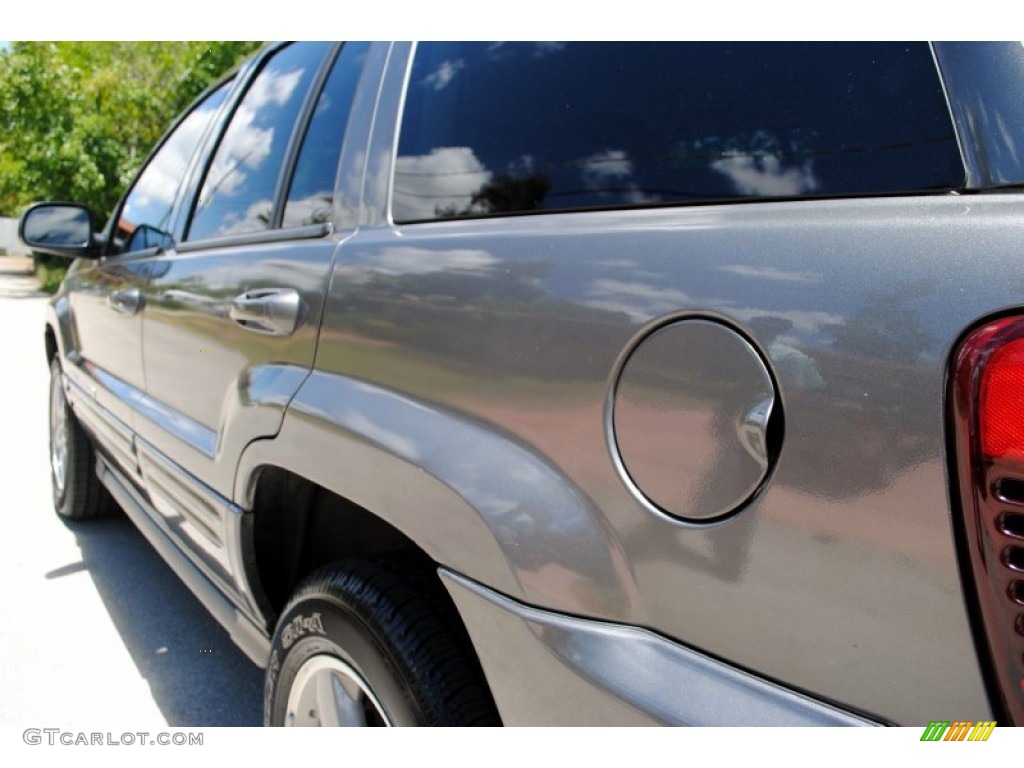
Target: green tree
pixel 77 119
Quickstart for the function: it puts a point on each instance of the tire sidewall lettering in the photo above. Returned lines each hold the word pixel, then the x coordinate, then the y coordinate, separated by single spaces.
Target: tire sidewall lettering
pixel 339 632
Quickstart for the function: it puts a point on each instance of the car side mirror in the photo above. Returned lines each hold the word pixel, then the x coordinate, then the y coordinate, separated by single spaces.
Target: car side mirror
pixel 59 229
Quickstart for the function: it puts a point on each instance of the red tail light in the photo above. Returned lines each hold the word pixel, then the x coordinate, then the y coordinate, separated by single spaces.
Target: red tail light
pixel 988 416
pixel 1001 403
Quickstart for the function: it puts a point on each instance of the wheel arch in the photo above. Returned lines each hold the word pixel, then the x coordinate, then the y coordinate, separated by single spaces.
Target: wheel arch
pixel 467 495
pixel 50 342
pixel 58 333
pixel 297 529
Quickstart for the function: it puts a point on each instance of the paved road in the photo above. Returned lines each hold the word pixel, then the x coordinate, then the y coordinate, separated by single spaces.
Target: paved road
pixel 97 632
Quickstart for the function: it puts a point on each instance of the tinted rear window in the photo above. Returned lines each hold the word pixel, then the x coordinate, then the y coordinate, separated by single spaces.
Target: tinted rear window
pixel 492 128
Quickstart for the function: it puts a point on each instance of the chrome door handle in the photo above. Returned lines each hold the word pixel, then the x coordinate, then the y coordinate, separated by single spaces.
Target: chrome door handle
pixel 126 301
pixel 274 311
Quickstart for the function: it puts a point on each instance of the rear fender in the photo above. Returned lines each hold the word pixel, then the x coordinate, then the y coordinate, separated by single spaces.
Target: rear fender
pixel 475 499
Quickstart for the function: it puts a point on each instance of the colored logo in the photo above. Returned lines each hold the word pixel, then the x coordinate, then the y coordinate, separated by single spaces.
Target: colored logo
pixel 961 730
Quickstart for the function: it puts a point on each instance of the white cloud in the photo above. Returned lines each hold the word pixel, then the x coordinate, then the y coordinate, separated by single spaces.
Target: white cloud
pixel 313 209
pixel 447 177
pixel 613 169
pixel 772 273
pixel 443 75
pixel 246 145
pixel 159 183
pixel 406 260
pixel 548 47
pixel 409 260
pixel 803 321
pixel 249 147
pixel 765 175
pixel 521 166
pixel 273 88
pixel 610 164
pixel 256 217
pixel 640 301
pixel 643 301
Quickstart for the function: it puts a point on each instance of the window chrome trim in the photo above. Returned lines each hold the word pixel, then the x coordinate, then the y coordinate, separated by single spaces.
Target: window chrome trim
pixel 308 232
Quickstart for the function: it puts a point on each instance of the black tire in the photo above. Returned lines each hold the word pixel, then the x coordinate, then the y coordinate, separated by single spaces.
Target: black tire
pixel 378 642
pixel 77 491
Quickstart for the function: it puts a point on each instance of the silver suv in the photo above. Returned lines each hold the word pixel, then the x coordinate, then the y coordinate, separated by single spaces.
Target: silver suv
pixel 473 383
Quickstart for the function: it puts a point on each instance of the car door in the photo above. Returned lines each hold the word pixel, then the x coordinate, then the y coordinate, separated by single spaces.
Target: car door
pixel 232 312
pixel 106 295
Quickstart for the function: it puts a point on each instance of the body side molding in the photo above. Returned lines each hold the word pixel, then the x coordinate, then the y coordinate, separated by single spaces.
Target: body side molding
pixel 595 672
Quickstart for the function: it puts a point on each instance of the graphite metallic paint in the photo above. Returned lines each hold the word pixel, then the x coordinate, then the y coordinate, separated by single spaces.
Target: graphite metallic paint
pixel 850 581
pixel 497 340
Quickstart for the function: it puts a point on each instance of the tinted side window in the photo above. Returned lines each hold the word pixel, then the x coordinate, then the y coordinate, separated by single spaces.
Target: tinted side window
pixel 146 214
pixel 237 195
pixel 512 127
pixel 312 187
